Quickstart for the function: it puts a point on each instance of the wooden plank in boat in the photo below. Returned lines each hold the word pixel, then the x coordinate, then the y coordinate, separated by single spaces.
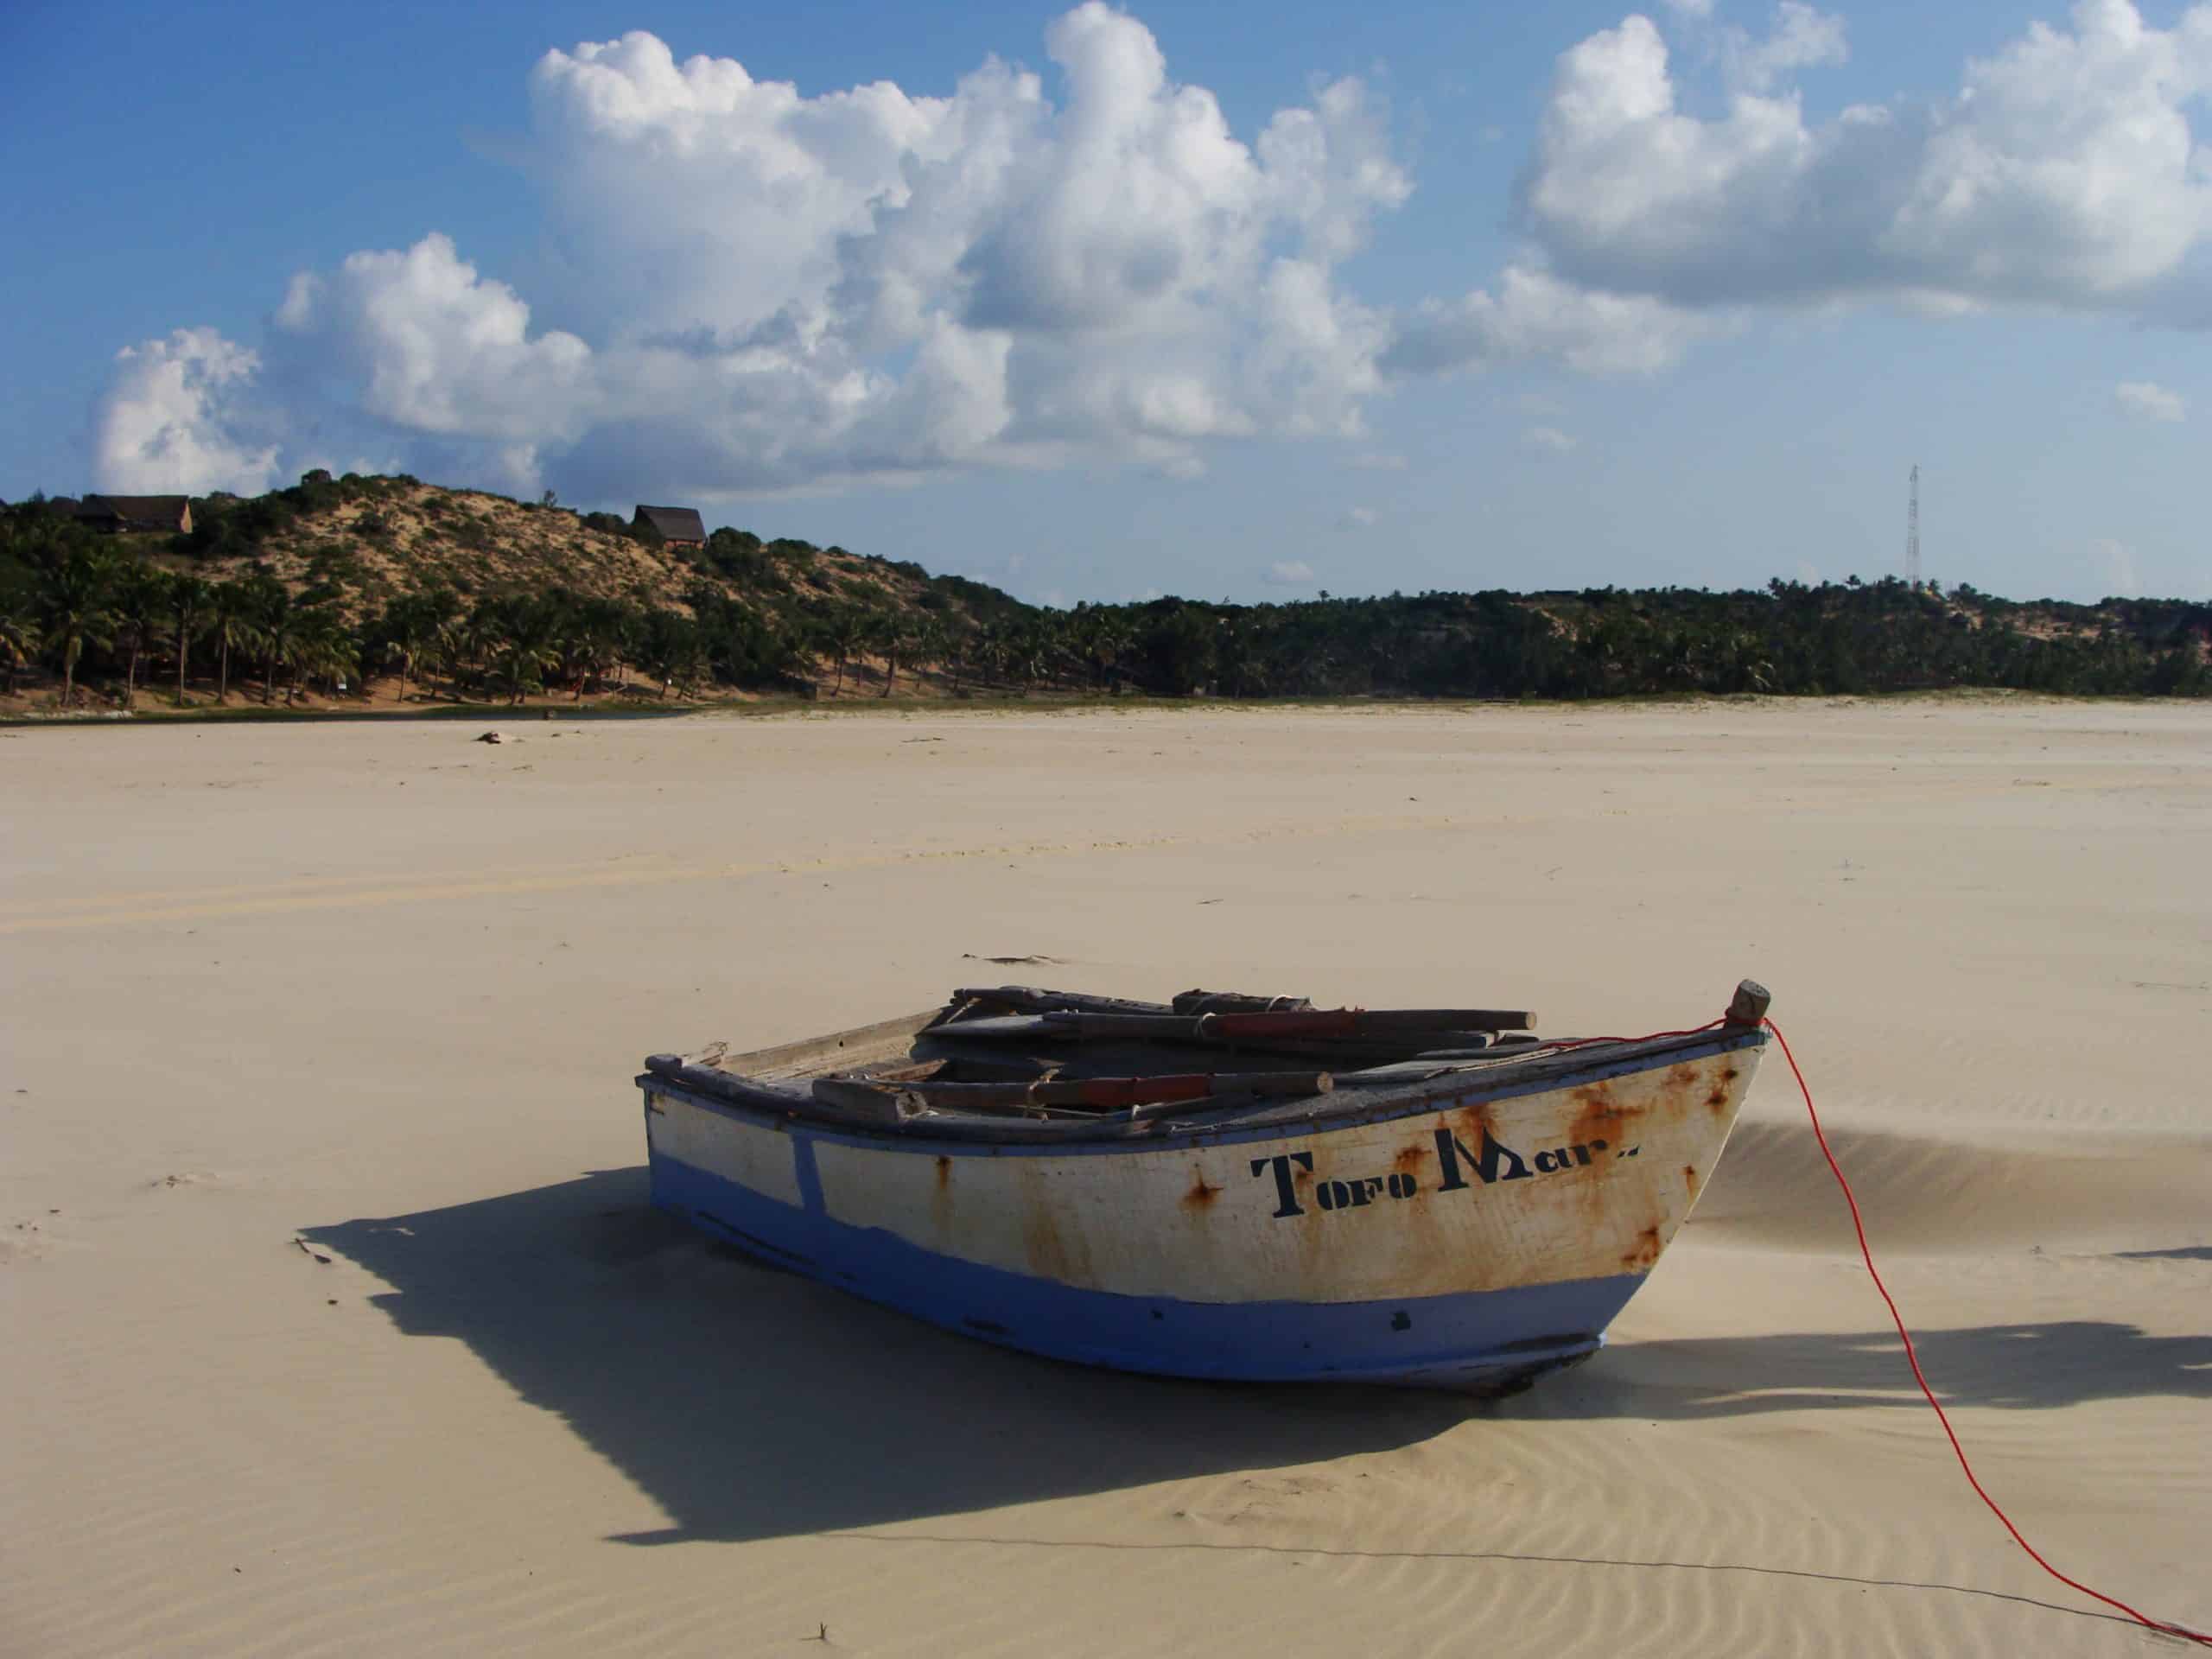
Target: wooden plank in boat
pixel 1029 999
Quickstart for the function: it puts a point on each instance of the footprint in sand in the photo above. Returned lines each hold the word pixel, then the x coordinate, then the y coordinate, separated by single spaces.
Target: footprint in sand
pixel 28 1240
pixel 1259 1499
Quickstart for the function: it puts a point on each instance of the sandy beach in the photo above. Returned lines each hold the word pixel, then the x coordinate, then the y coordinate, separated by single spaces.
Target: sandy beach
pixel 336 1323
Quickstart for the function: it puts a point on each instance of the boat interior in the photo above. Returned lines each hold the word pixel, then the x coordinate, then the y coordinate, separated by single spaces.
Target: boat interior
pixel 1018 1054
pixel 1016 1063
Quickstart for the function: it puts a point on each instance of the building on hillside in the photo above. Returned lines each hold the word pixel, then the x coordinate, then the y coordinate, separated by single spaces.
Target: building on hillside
pixel 678 526
pixel 114 514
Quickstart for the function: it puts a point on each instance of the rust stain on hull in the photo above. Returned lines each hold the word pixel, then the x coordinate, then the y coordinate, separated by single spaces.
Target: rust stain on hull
pixel 941 1207
pixel 1475 1119
pixel 1639 1257
pixel 1591 1179
pixel 1053 1253
pixel 1601 1120
pixel 1041 1237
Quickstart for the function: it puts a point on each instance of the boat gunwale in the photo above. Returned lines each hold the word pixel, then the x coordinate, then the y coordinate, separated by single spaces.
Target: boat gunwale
pixel 1229 1124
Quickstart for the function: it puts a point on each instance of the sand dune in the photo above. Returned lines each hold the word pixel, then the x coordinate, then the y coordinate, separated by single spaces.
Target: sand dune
pixel 337 1324
pixel 2048 1192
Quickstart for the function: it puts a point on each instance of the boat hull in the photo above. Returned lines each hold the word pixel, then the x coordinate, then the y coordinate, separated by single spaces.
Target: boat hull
pixel 1468 1239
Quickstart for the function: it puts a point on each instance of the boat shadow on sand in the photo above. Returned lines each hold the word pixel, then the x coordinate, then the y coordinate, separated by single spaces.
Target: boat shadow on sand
pixel 750 1403
pixel 2015 1367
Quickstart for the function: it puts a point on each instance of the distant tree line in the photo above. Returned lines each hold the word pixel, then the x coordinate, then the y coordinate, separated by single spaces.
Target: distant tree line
pixel 126 615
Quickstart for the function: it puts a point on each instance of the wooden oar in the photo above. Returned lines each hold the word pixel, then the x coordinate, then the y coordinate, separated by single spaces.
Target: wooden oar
pixel 1364 1022
pixel 1395 1025
pixel 1099 1094
pixel 1232 1003
pixel 1029 999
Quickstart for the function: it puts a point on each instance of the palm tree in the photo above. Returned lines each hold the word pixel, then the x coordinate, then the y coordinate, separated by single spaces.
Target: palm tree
pixel 601 630
pixel 433 653
pixel 400 651
pixel 929 644
pixel 894 636
pixel 482 631
pixel 411 624
pixel 447 649
pixel 277 631
pixel 988 651
pixel 324 650
pixel 230 624
pixel 188 599
pixel 691 663
pixel 1017 650
pixel 141 610
pixel 74 611
pixel 959 653
pixel 19 640
pixel 1107 641
pixel 669 649
pixel 574 659
pixel 848 633
pixel 521 668
pixel 530 644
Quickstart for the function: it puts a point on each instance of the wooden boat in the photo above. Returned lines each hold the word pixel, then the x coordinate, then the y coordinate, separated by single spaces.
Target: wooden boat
pixel 1221 1185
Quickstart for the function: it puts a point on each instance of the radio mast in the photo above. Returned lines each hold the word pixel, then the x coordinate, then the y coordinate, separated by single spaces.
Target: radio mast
pixel 1912 530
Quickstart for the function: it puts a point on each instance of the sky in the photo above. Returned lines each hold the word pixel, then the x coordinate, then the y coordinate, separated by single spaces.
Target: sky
pixel 1215 300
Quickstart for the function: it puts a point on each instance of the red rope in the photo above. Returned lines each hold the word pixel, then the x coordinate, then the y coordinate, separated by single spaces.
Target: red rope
pixel 1913 1359
pixel 1653 1037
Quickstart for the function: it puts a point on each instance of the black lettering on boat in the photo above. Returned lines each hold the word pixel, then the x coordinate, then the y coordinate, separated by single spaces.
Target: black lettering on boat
pixel 1460 1168
pixel 1286 1190
pixel 1498 1161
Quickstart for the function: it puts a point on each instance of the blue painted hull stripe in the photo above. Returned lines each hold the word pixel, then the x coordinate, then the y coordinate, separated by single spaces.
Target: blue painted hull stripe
pixel 1458 1340
pixel 1227 1136
pixel 807 1173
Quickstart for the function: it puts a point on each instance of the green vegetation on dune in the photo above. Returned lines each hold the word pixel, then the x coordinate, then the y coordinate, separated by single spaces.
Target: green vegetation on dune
pixel 459 595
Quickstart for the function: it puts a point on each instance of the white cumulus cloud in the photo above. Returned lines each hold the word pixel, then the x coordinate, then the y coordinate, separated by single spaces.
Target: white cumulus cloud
pixel 1550 438
pixel 2150 400
pixel 2061 172
pixel 437 349
pixel 171 418
pixel 1535 315
pixel 767 290
pixel 761 289
pixel 1289 573
pixel 869 283
pixel 1802 37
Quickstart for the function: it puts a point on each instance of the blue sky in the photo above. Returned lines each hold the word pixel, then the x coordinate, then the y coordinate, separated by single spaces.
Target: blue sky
pixel 1214 300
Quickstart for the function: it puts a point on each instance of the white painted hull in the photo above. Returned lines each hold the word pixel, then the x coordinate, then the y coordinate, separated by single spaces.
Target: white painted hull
pixel 1462 1238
